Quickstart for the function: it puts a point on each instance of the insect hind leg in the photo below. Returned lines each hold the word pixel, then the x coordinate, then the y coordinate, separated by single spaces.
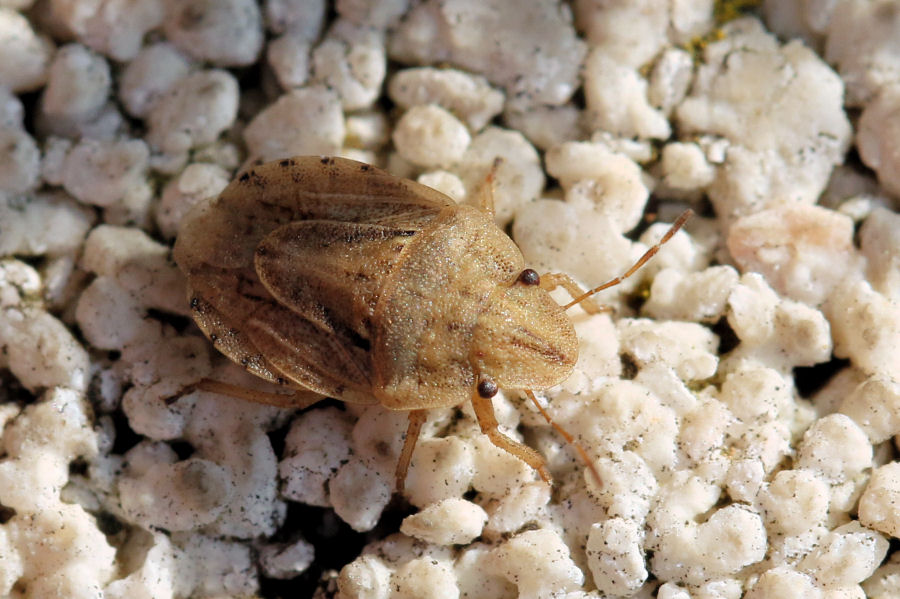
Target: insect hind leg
pixel 298 399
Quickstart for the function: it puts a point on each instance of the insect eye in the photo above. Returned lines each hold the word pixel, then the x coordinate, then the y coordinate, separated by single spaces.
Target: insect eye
pixel 529 277
pixel 487 388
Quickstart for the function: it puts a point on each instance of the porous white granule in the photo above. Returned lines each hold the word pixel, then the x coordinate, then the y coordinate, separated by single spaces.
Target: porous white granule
pixel 430 137
pixel 737 396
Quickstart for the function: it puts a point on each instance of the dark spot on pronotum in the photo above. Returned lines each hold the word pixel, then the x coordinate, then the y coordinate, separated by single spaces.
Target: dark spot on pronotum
pixel 529 277
pixel 487 388
pixel 244 178
pixel 365 167
pixel 287 162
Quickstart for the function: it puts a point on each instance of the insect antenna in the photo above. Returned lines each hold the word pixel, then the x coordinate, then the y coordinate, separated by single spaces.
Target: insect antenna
pixel 637 265
pixel 569 438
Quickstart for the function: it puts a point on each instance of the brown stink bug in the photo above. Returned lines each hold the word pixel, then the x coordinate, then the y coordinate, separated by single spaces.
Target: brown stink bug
pixel 336 279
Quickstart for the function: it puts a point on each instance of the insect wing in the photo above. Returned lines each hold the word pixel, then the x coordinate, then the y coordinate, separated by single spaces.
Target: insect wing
pixel 306 337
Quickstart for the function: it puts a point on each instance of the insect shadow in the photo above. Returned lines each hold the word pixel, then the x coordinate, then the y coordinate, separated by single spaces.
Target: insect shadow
pixel 334 278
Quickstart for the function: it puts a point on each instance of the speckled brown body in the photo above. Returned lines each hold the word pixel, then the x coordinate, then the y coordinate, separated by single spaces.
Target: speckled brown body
pixel 333 276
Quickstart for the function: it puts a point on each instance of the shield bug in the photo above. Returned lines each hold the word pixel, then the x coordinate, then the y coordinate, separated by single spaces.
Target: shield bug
pixel 336 279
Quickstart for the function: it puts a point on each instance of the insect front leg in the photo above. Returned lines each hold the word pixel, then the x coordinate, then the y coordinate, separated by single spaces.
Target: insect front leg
pixel 553 280
pixel 416 420
pixel 484 412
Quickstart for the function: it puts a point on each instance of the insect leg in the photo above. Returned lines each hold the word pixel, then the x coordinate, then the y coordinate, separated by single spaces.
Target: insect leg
pixel 569 438
pixel 485 192
pixel 634 267
pixel 298 399
pixel 484 411
pixel 553 280
pixel 416 420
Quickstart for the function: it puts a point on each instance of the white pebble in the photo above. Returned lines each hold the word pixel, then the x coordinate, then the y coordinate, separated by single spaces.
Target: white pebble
pixel 115 29
pixel 78 85
pixel 359 494
pixel 445 182
pixel 476 577
pixel 847 555
pixel 20 160
pixel 367 577
pixel 796 501
pixel 612 182
pixel 754 393
pixel 530 50
pixel 351 61
pixel 784 582
pixel 884 583
pixel 863 46
pixel 103 173
pixel 781 109
pixel 684 167
pixel 876 138
pixel 835 448
pixel 424 578
pixel 286 560
pixel 688 347
pixel 196 182
pixel 288 56
pixel 431 137
pixel 538 563
pixel 879 240
pixel 519 178
pixel 879 506
pixel 875 406
pixel 226 33
pixel 40 351
pixel 155 578
pixel 181 496
pixel 697 296
pixel 803 251
pixel 670 80
pixel 303 17
pixel 154 70
pixel 866 328
pixel 615 556
pixel 517 508
pixel 468 96
pixel 441 468
pixel 628 486
pixel 308 120
pixel 576 232
pixel 452 521
pixel 314 449
pixel 26 55
pixel 744 479
pixel 193 112
pixel 547 126
pixel 616 98
pixel 209 566
pixel 497 472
